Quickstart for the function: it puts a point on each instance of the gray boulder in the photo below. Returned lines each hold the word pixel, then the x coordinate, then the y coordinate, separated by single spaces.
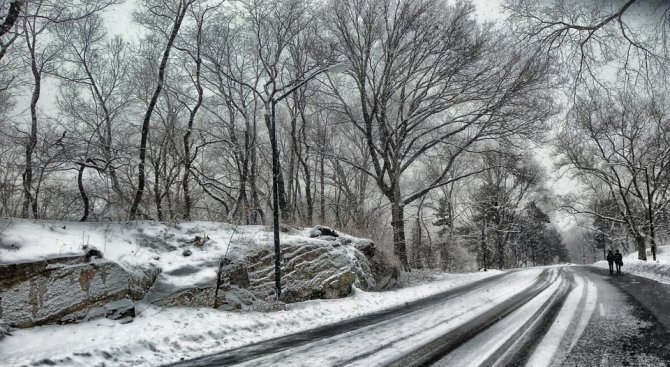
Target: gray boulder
pixel 311 269
pixel 58 290
pixel 169 291
pixel 141 280
pixel 240 299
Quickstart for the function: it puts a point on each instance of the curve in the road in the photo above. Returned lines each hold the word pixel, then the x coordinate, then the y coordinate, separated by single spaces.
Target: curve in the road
pixel 434 351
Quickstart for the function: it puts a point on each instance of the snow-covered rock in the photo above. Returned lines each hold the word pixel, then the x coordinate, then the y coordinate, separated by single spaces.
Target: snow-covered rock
pixel 168 295
pixel 229 267
pixel 320 230
pixel 311 269
pixel 244 280
pixel 58 289
pixel 115 310
pixel 323 270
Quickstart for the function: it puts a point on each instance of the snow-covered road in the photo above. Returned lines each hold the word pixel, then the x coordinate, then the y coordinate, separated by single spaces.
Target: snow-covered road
pixel 551 316
pixel 535 315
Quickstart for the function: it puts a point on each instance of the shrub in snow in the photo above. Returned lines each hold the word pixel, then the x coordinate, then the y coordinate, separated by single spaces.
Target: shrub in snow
pixel 4 329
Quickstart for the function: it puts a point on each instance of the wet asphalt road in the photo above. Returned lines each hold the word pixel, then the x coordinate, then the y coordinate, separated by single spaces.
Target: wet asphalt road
pixel 630 326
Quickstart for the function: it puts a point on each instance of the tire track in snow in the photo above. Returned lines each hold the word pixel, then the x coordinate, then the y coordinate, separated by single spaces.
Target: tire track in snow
pixel 508 341
pixel 276 345
pixel 568 325
pixel 432 352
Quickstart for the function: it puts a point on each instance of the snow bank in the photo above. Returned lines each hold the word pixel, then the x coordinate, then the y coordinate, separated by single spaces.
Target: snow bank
pixel 658 270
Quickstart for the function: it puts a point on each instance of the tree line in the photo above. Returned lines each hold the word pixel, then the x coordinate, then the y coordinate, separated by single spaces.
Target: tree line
pixel 614 137
pixel 410 116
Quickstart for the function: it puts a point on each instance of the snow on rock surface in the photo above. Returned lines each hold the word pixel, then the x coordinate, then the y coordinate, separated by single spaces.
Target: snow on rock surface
pixel 231 267
pixel 658 270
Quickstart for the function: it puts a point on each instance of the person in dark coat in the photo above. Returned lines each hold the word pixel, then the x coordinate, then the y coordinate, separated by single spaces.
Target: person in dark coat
pixel 610 261
pixel 618 260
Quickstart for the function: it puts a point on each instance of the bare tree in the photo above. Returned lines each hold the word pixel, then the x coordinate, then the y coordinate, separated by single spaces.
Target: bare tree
pixel 233 75
pixel 156 14
pixel 631 35
pixel 192 47
pixel 11 12
pixel 39 18
pixel 92 62
pixel 427 77
pixel 274 28
pixel 617 145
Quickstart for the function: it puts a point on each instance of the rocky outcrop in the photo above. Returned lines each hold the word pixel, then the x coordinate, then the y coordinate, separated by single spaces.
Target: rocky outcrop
pixel 312 269
pixel 58 290
pixel 87 287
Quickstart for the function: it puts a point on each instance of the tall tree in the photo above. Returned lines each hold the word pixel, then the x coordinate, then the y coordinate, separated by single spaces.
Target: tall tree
pixel 39 19
pixel 10 12
pixel 427 77
pixel 618 145
pixel 93 72
pixel 156 14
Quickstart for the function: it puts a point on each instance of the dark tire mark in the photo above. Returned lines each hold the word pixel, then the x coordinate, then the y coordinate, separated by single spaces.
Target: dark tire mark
pixel 441 346
pixel 521 345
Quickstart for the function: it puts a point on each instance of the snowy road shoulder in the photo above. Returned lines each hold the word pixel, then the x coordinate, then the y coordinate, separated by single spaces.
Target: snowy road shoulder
pixel 159 335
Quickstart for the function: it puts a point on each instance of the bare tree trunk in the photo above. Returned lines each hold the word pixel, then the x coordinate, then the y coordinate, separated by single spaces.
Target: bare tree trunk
pixel 181 12
pixel 258 214
pixel 483 244
pixel 398 224
pixel 191 120
pixel 82 192
pixel 322 191
pixel 158 197
pixel 32 140
pixel 641 247
pixel 12 17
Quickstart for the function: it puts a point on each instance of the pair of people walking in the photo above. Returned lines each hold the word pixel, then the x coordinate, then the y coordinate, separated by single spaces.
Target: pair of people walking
pixel 616 259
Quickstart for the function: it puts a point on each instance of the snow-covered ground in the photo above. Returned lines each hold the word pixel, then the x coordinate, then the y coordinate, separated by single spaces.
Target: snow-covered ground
pixel 658 270
pixel 163 335
pixel 136 244
pixel 143 244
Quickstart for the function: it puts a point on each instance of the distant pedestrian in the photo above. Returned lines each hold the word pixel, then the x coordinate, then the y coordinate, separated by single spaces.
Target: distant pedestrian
pixel 618 260
pixel 610 261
